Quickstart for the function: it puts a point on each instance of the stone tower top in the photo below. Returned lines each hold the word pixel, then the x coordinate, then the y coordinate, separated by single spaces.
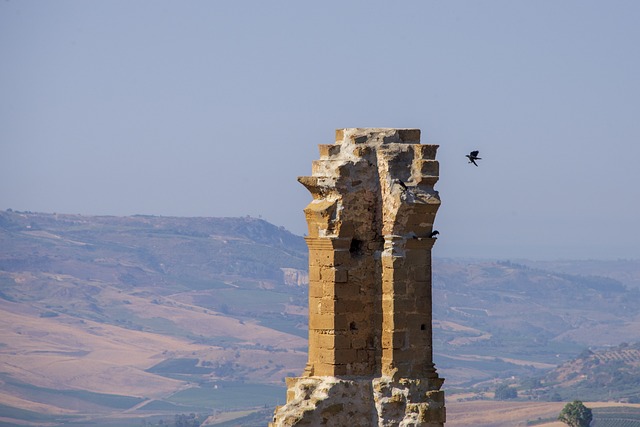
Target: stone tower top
pixel 377 135
pixel 373 175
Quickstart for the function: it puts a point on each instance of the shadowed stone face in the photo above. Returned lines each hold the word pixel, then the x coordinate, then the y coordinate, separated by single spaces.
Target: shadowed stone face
pixel 370 224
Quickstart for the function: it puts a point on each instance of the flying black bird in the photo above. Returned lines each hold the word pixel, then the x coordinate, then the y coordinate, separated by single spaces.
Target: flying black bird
pixel 473 156
pixel 402 184
pixel 434 233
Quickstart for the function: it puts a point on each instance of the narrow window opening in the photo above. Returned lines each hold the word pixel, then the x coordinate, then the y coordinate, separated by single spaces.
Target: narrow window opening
pixel 423 327
pixel 356 247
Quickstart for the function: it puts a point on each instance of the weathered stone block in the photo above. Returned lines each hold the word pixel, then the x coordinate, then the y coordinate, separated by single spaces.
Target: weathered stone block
pixel 316 290
pixel 347 289
pixel 409 136
pixel 393 340
pixel 343 342
pixel 362 151
pixel 322 369
pixel 315 301
pixel 326 342
pixel 427 167
pixel 322 321
pixel 314 273
pixel 351 307
pixel 340 370
pixel 327 356
pixel 327 306
pixel 392 262
pixel 341 257
pixel 417 257
pixel 333 275
pixel 395 286
pixel 422 273
pixel 426 151
pixel 423 243
pixel 359 343
pixel 328 150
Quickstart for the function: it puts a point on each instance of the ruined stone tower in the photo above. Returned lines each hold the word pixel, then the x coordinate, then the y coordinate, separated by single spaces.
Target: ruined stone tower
pixel 370 330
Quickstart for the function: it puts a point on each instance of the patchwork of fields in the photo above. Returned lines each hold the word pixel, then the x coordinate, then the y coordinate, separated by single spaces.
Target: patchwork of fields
pixel 110 321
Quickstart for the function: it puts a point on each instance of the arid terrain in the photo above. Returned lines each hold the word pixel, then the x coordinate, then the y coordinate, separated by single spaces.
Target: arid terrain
pixel 514 414
pixel 115 321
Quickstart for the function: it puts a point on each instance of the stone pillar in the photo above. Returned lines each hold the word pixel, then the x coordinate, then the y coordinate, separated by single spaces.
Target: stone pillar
pixel 370 330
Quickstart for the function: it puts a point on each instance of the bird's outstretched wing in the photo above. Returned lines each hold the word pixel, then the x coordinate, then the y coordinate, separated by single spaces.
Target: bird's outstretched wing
pixel 473 156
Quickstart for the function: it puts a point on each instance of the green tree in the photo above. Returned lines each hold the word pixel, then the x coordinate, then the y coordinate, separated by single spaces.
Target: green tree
pixel 504 392
pixel 575 414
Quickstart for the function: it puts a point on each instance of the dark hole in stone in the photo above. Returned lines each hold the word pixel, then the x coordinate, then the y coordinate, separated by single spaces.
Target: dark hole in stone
pixel 356 247
pixel 360 139
pixel 352 326
pixel 423 327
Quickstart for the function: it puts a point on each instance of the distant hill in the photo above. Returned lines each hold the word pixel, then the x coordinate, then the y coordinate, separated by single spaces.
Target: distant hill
pixel 167 315
pixel 149 316
pixel 561 307
pixel 505 319
pixel 180 252
pixel 613 373
pixel 626 271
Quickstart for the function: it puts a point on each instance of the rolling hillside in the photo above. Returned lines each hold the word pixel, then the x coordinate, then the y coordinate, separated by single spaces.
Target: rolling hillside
pixel 140 312
pixel 505 319
pixel 612 372
pixel 140 318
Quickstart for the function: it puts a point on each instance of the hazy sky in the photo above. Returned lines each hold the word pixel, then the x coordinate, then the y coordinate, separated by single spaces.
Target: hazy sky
pixel 213 108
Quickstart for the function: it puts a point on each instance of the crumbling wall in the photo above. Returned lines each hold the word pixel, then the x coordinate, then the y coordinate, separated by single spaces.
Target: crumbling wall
pixel 370 330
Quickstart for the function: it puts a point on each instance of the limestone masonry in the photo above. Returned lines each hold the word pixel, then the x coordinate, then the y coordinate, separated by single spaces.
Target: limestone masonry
pixel 370 330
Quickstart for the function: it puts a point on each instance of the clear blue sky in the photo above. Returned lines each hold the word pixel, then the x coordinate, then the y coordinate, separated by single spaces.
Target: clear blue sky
pixel 213 108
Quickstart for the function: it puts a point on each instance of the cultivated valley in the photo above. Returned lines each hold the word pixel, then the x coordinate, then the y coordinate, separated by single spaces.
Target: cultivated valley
pixel 127 321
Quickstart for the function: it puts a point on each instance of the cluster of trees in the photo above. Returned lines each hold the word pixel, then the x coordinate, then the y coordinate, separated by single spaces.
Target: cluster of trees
pixel 504 392
pixel 575 414
pixel 191 420
pixel 181 420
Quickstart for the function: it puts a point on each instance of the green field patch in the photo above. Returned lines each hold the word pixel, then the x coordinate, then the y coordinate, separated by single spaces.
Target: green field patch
pixel 227 395
pixel 161 325
pixel 117 422
pixel 122 316
pixel 588 392
pixel 616 416
pixel 254 419
pixel 253 300
pixel 7 297
pixel 472 311
pixel 493 364
pixel 216 341
pixel 196 284
pixel 188 378
pixel 286 323
pixel 179 366
pixel 23 414
pixel 109 400
pixel 164 406
pixel 508 345
pixel 614 422
pixel 68 398
pixel 244 301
